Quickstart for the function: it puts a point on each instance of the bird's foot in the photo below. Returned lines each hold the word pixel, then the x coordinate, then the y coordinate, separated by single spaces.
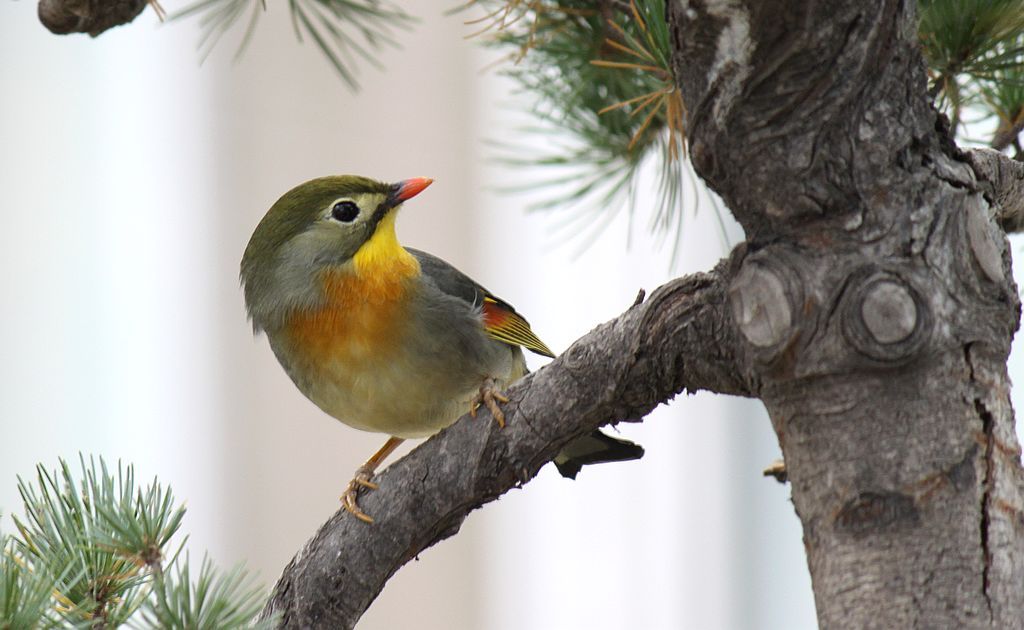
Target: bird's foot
pixel 349 500
pixel 489 395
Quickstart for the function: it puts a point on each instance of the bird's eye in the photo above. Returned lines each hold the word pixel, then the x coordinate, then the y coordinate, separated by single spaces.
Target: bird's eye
pixel 345 211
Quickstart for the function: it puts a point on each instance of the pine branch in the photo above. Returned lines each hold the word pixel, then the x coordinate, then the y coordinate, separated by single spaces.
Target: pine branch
pixel 65 534
pixel 98 551
pixel 1003 96
pixel 1002 179
pixel 602 72
pixel 604 79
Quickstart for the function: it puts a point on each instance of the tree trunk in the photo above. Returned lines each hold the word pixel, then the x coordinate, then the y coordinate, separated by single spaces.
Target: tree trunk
pixel 875 303
pixel 871 309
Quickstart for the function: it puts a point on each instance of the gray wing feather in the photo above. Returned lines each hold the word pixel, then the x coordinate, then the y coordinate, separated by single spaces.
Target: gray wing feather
pixel 449 279
pixel 593 448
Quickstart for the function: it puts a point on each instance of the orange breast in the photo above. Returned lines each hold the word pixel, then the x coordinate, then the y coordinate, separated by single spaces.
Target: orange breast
pixel 362 317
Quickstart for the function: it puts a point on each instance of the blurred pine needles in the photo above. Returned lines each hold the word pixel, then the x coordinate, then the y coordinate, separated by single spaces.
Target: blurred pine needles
pixel 600 72
pixel 600 78
pixel 975 55
pixel 343 30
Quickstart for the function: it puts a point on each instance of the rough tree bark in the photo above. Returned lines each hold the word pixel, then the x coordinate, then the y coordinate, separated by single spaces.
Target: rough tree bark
pixel 871 309
pixel 876 305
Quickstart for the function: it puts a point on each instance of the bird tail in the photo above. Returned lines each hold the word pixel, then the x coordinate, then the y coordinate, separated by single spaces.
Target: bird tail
pixel 595 448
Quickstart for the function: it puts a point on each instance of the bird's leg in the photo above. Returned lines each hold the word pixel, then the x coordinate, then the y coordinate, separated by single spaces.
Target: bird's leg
pixel 362 479
pixel 490 396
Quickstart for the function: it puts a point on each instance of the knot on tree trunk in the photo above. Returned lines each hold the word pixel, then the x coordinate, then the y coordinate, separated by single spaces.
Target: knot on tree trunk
pixel 764 297
pixel 884 317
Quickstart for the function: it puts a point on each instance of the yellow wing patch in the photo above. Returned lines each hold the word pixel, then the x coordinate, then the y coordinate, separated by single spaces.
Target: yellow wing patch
pixel 504 324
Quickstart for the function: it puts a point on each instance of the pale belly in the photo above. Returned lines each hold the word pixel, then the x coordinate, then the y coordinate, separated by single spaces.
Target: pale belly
pixel 389 398
pixel 412 392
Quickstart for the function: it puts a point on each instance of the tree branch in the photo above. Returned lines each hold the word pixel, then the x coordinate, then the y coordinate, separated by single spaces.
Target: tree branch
pixel 87 16
pixel 1006 134
pixel 1002 180
pixel 680 338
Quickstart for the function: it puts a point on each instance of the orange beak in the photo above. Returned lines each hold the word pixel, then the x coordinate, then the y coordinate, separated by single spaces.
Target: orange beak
pixel 410 188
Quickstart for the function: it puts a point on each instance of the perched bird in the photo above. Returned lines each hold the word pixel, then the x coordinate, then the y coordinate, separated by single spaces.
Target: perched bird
pixel 381 337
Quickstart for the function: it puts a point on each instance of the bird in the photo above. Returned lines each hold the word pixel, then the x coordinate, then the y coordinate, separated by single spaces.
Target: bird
pixel 382 337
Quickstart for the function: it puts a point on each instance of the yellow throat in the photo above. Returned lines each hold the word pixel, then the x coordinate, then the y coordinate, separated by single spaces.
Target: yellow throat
pixel 383 256
pixel 365 303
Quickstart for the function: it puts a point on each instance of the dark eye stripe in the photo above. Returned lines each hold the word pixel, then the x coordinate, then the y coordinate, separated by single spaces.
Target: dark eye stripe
pixel 345 211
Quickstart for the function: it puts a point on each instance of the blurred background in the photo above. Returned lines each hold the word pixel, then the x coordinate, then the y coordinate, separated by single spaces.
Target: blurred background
pixel 132 178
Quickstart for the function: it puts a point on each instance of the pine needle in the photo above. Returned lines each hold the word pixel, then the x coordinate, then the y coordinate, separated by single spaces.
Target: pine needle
pixel 647 123
pixel 625 64
pixel 341 29
pixel 642 54
pixel 624 103
pixel 161 14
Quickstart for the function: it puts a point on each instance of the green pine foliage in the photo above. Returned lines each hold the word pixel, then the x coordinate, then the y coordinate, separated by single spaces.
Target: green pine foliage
pixel 211 600
pixel 975 50
pixel 605 77
pixel 1004 98
pixel 599 72
pixel 98 551
pixel 25 595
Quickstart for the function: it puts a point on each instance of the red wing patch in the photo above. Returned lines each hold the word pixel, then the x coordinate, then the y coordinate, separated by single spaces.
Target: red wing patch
pixel 503 323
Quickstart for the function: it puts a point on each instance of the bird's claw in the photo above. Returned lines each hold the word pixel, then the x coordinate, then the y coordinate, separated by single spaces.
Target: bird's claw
pixel 365 483
pixel 489 395
pixel 777 469
pixel 349 500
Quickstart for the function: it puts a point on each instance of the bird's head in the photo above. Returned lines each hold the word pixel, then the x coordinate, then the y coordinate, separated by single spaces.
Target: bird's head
pixel 326 222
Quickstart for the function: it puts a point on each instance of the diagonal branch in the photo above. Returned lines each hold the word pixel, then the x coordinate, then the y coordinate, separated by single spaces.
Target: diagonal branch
pixel 1007 133
pixel 680 338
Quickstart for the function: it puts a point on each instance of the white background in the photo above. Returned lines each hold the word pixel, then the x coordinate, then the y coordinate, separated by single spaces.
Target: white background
pixel 131 179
